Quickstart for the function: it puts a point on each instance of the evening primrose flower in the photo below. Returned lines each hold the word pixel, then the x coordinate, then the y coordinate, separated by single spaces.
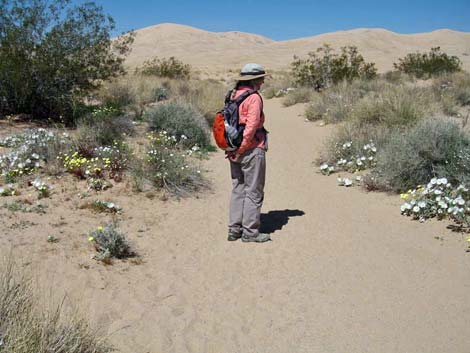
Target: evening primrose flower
pixel 99 228
pixel 91 239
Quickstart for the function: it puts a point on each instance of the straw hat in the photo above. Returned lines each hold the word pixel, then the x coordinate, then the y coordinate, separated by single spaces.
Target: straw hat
pixel 251 71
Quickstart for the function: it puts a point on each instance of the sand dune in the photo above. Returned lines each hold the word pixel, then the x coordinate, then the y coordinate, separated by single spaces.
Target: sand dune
pixel 212 52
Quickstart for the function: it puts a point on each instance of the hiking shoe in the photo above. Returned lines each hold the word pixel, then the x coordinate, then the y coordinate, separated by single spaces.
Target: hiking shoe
pixel 260 238
pixel 233 236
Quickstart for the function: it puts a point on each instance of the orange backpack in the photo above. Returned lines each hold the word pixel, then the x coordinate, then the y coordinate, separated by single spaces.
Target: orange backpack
pixel 228 133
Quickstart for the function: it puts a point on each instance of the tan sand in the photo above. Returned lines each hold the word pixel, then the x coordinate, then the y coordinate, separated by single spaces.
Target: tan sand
pixel 345 272
pixel 209 51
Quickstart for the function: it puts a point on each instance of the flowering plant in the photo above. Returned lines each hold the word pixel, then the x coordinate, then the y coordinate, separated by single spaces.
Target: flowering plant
pixel 438 199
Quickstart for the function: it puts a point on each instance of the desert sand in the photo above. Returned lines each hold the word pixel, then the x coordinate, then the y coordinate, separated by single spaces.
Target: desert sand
pixel 345 272
pixel 210 52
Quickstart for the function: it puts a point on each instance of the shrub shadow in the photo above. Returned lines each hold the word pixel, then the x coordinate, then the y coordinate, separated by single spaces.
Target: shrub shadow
pixel 275 220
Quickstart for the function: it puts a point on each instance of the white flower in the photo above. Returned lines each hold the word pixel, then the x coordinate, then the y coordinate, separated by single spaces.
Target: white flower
pixel 416 209
pixel 347 182
pixel 324 166
pixel 421 204
pixel 437 192
pixel 442 204
pixel 433 181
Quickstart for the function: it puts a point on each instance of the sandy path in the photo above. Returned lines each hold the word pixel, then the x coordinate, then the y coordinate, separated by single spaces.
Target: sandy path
pixel 345 272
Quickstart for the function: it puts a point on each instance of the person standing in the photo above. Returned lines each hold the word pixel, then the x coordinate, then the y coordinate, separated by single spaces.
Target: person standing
pixel 248 162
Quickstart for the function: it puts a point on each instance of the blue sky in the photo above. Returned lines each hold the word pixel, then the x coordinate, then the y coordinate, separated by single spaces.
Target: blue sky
pixel 282 20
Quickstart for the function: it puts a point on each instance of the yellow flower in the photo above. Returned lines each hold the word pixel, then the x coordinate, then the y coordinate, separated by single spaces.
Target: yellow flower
pixel 91 239
pixel 99 228
pixel 404 196
pixel 468 239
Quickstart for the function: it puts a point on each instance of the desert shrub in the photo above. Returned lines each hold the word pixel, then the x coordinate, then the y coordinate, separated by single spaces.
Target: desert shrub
pixel 395 106
pixel 167 165
pixel 179 120
pixel 324 67
pixel 434 147
pixel 53 54
pixel 298 95
pixel 110 243
pixel 429 63
pixel 165 67
pixel 27 327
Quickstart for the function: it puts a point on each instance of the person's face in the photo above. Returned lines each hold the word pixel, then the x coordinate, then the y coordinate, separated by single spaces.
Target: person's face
pixel 259 82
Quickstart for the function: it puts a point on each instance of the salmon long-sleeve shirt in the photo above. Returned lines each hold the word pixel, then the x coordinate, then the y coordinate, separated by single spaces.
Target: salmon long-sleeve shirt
pixel 251 114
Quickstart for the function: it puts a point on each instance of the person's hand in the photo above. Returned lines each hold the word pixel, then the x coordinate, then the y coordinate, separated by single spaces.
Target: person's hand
pixel 233 156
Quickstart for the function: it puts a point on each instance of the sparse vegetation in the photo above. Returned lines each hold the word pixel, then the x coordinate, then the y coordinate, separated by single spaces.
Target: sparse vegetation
pixel 425 65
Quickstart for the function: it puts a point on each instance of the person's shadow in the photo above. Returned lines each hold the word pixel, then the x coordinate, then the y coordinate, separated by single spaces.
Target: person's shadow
pixel 275 220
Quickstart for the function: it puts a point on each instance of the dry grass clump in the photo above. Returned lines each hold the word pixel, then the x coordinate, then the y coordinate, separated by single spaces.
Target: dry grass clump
pixel 298 95
pixel 395 106
pixel 276 85
pixel 26 327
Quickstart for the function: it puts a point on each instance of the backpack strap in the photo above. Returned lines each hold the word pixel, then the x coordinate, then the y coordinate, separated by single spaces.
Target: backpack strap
pixel 243 96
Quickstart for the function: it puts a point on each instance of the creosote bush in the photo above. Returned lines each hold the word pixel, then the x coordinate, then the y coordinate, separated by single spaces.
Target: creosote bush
pixel 165 67
pixel 52 54
pixel 324 68
pixel 179 119
pixel 425 65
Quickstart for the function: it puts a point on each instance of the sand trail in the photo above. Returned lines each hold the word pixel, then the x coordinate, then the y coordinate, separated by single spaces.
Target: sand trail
pixel 345 272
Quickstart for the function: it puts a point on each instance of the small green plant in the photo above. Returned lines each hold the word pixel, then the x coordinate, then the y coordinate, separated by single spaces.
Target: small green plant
pixel 165 67
pixel 110 243
pixel 324 68
pixel 181 121
pixel 52 239
pixel 425 65
pixel 104 206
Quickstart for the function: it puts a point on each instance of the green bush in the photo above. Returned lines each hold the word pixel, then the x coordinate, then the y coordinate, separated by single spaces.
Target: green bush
pixel 52 55
pixel 165 67
pixel 178 120
pixel 324 68
pixel 27 327
pixel 428 64
pixel 434 148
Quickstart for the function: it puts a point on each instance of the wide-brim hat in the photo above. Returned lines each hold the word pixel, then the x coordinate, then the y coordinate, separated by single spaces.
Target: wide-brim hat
pixel 251 72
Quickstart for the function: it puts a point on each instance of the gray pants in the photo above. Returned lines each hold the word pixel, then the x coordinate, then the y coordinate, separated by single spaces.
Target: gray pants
pixel 247 197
